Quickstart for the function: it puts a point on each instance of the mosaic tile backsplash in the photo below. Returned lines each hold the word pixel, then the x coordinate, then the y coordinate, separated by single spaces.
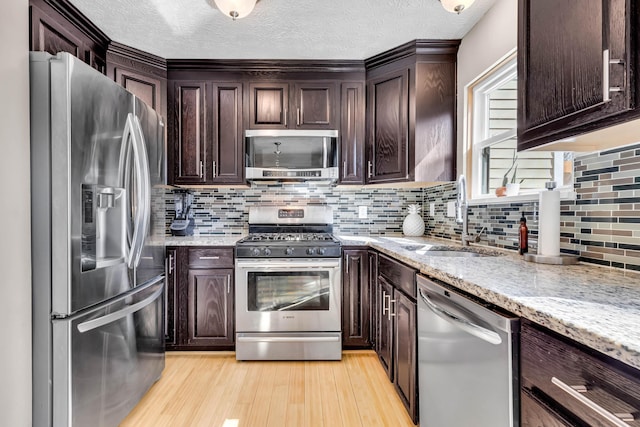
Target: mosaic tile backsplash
pixel 602 225
pixel 219 211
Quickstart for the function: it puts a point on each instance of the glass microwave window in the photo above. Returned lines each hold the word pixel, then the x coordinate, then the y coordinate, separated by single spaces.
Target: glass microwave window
pixel 283 291
pixel 292 153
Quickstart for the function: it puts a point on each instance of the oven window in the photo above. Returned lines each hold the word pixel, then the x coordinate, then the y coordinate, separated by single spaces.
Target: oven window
pixel 288 291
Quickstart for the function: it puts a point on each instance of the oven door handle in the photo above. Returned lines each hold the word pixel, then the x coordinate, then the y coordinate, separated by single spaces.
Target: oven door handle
pixel 288 339
pixel 269 265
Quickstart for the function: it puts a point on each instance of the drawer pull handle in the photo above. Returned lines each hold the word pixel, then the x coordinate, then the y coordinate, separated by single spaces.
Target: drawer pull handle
pixel 575 392
pixel 209 257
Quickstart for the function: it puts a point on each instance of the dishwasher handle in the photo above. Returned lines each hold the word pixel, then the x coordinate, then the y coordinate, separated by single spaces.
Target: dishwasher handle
pixel 477 331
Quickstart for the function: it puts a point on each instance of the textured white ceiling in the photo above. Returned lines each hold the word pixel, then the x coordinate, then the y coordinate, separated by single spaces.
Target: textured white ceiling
pixel 277 29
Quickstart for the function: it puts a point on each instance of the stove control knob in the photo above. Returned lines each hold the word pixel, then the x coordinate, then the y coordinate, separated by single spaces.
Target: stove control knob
pixel 321 251
pixel 288 251
pixel 266 251
pixel 255 251
pixel 311 251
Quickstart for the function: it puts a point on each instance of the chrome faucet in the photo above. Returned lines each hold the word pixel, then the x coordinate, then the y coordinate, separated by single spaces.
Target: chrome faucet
pixel 462 208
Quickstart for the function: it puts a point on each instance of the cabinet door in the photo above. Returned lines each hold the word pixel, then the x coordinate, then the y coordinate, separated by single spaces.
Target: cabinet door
pixel 187 134
pixel 268 105
pixel 314 103
pixel 388 157
pixel 145 87
pixel 570 62
pixel 373 289
pixel 170 299
pixel 403 312
pixel 352 124
pixel 384 341
pixel 355 299
pixel 225 121
pixel 210 307
pixel 47 35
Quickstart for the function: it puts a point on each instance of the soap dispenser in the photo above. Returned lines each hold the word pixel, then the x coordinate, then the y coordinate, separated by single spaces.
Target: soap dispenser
pixel 523 236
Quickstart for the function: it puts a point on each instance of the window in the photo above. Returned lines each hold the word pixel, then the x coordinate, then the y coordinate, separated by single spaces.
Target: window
pixel 493 123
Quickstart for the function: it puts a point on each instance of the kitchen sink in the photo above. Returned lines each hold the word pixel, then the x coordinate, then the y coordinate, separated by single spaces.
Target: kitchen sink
pixel 449 251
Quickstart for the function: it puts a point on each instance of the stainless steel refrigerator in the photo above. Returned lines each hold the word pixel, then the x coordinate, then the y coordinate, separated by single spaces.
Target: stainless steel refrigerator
pixel 97 163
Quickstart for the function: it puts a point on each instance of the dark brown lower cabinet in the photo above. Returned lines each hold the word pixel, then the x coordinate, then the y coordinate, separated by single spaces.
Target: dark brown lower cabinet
pixel 200 298
pixel 356 331
pixel 171 299
pixel 405 351
pixel 384 338
pixel 396 337
pixel 210 308
pixel 564 383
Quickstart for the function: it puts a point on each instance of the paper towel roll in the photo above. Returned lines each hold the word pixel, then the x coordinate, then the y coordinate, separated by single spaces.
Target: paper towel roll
pixel 549 225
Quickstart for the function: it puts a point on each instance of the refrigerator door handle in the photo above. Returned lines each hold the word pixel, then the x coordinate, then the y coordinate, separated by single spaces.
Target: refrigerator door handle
pixel 143 185
pixel 112 317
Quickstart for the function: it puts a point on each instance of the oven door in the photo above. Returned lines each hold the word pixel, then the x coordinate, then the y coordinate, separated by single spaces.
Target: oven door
pixel 288 295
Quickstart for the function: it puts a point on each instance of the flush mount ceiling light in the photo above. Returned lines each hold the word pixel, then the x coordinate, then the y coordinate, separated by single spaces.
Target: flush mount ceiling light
pixel 235 9
pixel 456 6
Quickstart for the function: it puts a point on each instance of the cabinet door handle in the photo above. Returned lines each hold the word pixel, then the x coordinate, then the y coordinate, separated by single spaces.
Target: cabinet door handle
pixel 228 283
pixel 298 117
pixel 389 312
pixel 347 265
pixel 170 263
pixel 215 172
pixel 575 392
pixel 201 169
pixel 369 169
pixel 384 304
pixel 606 74
pixel 344 169
pixel 209 257
pixel 285 117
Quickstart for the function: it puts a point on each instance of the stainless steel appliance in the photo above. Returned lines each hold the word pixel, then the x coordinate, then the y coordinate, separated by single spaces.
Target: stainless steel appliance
pixel 184 223
pixel 285 155
pixel 97 158
pixel 467 360
pixel 288 286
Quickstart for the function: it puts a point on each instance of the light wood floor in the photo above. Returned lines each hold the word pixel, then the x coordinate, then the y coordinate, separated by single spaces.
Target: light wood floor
pixel 213 389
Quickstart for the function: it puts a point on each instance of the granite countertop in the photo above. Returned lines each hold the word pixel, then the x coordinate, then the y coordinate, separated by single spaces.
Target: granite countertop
pixel 596 306
pixel 223 240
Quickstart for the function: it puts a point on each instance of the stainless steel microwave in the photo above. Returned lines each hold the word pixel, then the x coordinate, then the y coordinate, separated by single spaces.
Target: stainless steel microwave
pixel 291 155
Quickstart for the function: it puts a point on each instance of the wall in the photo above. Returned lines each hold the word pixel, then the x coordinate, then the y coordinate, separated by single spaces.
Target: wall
pixel 225 211
pixel 491 39
pixel 15 251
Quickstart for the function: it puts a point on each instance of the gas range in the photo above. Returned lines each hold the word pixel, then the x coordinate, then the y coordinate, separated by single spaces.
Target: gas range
pixel 289 232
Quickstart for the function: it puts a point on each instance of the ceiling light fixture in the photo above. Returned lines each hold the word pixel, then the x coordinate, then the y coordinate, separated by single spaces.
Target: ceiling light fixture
pixel 236 9
pixel 454 6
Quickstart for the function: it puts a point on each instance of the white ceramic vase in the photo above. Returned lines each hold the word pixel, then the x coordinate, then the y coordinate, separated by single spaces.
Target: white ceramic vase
pixel 513 189
pixel 413 224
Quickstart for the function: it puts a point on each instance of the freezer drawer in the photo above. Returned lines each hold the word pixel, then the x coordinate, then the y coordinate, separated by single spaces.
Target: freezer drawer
pixel 106 359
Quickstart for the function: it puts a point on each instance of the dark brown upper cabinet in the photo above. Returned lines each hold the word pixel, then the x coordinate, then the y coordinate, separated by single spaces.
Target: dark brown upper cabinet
pixel 141 73
pixel 352 131
pixel 411 116
pixel 57 26
pixel 186 155
pixel 296 105
pixel 577 69
pixel 226 143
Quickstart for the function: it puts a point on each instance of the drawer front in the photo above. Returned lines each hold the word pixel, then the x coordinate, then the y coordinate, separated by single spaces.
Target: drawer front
pixel 401 276
pixel 577 381
pixel 210 257
pixel 535 414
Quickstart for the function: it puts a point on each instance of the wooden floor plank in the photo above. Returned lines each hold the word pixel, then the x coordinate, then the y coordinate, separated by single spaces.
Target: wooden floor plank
pixel 213 389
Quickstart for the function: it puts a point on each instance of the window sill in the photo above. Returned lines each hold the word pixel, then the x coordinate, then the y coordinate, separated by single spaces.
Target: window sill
pixel 529 197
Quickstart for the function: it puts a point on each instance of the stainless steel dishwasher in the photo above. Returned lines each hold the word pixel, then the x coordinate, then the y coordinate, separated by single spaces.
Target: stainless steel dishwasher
pixel 467 361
